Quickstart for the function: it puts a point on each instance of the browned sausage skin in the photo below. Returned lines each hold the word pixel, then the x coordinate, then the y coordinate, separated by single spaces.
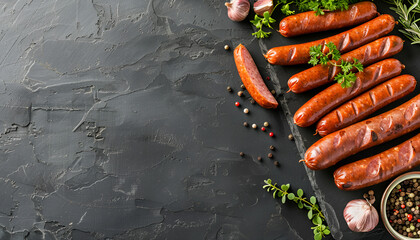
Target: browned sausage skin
pixel 345 41
pixel 335 95
pixel 379 168
pixel 367 54
pixel 252 79
pixel 308 22
pixel 365 104
pixel 341 144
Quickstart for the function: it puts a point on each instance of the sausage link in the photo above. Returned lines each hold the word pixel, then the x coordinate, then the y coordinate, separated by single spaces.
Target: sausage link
pixel 252 79
pixel 341 144
pixel 308 22
pixel 345 41
pixel 366 104
pixel 379 168
pixel 335 95
pixel 367 54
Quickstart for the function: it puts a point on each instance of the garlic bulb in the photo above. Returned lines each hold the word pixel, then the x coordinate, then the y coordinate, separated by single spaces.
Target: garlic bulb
pixel 360 215
pixel 262 6
pixel 238 9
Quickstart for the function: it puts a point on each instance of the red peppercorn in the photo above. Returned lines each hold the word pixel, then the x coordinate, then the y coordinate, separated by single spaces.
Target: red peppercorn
pixel 418 220
pixel 237 104
pixel 409 217
pixel 271 134
pixel 268 78
pixel 403 206
pixel 390 221
pixel 263 129
pixel 399 190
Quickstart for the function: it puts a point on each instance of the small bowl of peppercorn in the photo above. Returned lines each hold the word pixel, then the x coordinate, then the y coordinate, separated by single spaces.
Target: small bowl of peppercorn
pixel 400 207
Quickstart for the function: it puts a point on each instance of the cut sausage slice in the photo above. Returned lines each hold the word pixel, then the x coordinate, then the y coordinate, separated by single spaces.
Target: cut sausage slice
pixel 308 22
pixel 367 54
pixel 335 95
pixel 345 41
pixel 366 104
pixel 252 79
pixel 379 168
pixel 341 144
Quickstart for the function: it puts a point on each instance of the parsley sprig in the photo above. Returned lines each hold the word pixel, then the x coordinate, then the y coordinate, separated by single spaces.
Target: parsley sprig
pixel 260 22
pixel 346 78
pixel 302 5
pixel 314 213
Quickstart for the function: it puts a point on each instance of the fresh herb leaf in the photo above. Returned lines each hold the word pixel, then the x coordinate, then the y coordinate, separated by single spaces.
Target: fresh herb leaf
pixel 314 213
pixel 408 18
pixel 346 78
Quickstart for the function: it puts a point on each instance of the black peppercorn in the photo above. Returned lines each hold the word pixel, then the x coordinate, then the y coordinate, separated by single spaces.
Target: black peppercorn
pixel 241 154
pixel 246 124
pixel 229 89
pixel 270 155
pixel 242 86
pixel 291 138
pixel 276 163
pixel 259 159
pixel 252 101
pixel 272 147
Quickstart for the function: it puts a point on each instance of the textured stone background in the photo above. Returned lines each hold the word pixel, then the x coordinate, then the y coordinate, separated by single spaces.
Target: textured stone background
pixel 116 124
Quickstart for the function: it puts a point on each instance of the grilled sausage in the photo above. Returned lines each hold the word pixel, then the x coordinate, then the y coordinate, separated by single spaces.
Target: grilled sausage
pixel 365 104
pixel 308 22
pixel 319 75
pixel 335 95
pixel 379 168
pixel 341 144
pixel 345 41
pixel 252 79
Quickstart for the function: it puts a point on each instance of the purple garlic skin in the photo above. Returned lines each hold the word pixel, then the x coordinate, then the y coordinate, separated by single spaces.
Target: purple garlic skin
pixel 360 215
pixel 262 6
pixel 238 9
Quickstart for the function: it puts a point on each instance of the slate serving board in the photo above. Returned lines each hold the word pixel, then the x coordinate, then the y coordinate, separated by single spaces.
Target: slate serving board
pixel 334 200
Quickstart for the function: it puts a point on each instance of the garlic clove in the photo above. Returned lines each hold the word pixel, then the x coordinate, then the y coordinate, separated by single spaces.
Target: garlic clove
pixel 262 6
pixel 360 215
pixel 238 9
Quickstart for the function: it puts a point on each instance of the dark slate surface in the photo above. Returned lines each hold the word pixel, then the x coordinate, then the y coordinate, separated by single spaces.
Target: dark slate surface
pixel 116 124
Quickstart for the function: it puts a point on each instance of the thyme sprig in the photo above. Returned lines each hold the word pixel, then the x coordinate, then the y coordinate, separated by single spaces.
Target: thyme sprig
pixel 314 213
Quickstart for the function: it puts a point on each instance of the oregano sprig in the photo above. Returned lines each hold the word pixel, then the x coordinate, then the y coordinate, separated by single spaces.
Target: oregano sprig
pixel 346 78
pixel 314 213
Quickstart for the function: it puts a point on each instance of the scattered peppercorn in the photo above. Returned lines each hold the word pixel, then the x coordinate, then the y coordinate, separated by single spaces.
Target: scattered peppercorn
pixel 254 125
pixel 273 91
pixel 276 163
pixel 259 159
pixel 242 86
pixel 237 104
pixel 371 192
pixel 272 147
pixel 270 155
pixel 268 78
pixel 271 134
pixel 241 154
pixel 246 110
pixel 246 124
pixel 263 129
pixel 227 47
pixel 229 89
pixel 266 124
pixel 240 93
pixel 365 195
pixel 252 101
pixel 291 138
